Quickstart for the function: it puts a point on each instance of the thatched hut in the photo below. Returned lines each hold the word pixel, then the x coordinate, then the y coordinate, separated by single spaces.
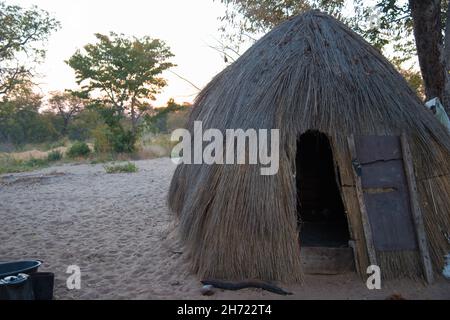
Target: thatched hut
pixel 324 87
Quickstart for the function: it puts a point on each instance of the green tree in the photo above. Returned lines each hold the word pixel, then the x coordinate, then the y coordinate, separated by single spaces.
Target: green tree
pixel 115 135
pixel 157 119
pixel 125 71
pixel 22 34
pixel 20 119
pixel 417 29
pixel 66 106
pixel 83 124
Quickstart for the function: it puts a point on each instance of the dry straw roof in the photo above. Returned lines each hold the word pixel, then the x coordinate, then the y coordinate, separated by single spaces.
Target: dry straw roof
pixel 311 72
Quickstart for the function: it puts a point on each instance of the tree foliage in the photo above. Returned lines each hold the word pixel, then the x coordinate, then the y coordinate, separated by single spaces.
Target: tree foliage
pixel 20 120
pixel 22 34
pixel 157 120
pixel 66 106
pixel 125 72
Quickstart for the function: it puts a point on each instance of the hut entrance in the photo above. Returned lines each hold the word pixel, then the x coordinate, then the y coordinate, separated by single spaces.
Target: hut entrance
pixel 321 214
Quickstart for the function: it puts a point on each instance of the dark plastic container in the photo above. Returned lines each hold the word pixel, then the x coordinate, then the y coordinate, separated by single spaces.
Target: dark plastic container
pixel 43 283
pixel 16 288
pixel 8 269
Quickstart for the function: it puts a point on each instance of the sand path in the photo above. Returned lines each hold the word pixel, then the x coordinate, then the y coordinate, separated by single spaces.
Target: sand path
pixel 116 229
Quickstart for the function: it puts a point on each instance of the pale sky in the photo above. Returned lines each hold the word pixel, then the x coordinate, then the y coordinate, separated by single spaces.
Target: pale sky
pixel 188 27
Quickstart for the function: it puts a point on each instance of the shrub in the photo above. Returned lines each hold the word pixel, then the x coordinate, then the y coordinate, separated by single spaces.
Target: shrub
pixel 9 164
pixel 122 141
pixel 78 149
pixel 81 127
pixel 54 156
pixel 101 139
pixel 114 139
pixel 121 168
pixel 35 163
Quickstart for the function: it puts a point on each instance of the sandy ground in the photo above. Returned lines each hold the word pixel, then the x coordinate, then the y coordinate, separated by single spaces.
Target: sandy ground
pixel 117 229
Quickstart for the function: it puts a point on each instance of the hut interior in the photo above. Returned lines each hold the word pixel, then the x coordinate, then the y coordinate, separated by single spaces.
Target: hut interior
pixel 320 210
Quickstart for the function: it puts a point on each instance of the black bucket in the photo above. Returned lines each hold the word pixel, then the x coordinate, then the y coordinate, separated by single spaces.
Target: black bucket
pixel 43 285
pixel 16 288
pixel 14 268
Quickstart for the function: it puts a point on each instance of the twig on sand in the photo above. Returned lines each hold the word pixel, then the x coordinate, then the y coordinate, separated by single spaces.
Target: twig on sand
pixel 238 285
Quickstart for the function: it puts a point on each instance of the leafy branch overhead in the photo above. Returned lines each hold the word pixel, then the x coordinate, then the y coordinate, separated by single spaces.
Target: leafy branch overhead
pixel 22 34
pixel 122 72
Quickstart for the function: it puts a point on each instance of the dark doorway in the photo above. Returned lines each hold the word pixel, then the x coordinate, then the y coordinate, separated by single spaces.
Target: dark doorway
pixel 321 213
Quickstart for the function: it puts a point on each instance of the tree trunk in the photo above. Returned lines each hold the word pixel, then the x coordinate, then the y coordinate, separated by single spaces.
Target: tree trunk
pixel 65 126
pixel 426 16
pixel 133 116
pixel 446 95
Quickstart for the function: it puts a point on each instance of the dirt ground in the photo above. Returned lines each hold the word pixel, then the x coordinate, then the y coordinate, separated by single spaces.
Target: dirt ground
pixel 117 229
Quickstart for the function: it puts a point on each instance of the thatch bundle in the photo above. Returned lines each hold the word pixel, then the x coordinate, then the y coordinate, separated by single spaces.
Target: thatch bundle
pixel 311 72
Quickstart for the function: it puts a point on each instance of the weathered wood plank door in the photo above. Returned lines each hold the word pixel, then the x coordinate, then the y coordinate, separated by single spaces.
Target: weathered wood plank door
pixel 380 165
pixel 391 217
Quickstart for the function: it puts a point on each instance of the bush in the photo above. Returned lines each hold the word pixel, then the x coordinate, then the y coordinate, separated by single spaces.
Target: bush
pixel 9 164
pixel 81 127
pixel 101 135
pixel 79 149
pixel 114 139
pixel 121 168
pixel 54 156
pixel 123 141
pixel 35 163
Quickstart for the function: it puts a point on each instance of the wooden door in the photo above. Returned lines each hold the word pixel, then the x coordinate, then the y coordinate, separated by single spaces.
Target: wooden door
pixel 387 195
pixel 385 192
